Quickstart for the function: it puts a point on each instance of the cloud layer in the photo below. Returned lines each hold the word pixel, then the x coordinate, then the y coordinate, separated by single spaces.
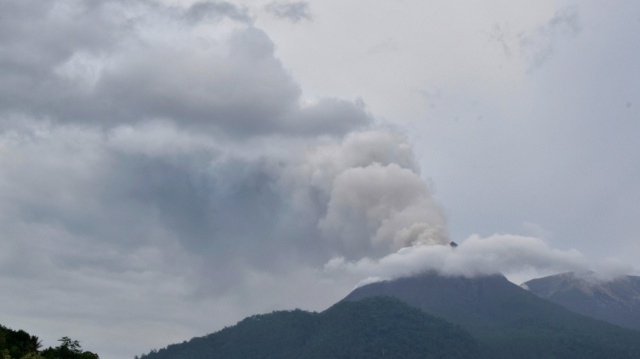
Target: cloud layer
pixel 518 257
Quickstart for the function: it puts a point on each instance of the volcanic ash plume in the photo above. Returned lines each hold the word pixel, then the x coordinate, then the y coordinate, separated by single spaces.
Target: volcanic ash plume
pixel 376 202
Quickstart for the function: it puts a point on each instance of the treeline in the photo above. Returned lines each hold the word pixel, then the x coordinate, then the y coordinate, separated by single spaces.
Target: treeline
pixel 18 344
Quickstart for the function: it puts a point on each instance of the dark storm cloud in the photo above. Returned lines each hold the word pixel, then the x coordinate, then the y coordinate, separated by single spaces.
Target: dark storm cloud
pixel 113 117
pixel 110 64
pixel 91 200
pixel 154 156
pixel 215 10
pixel 115 145
pixel 119 142
pixel 36 37
pixel 293 11
pixel 244 91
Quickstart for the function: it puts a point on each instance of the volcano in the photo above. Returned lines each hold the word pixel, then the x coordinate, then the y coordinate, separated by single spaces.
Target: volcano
pixel 509 320
pixel 422 316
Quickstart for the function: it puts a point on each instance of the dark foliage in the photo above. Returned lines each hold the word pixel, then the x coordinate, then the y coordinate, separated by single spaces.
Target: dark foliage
pixel 68 349
pixel 17 343
pixel 382 328
pixel 21 345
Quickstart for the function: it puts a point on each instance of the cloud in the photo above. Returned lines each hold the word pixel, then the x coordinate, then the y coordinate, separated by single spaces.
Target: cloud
pixel 611 268
pixel 137 63
pixel 536 45
pixel 155 160
pixel 117 217
pixel 292 11
pixel 159 162
pixel 215 11
pixel 539 45
pixel 512 255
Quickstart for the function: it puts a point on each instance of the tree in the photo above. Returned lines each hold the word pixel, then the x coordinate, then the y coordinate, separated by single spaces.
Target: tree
pixel 72 345
pixel 68 349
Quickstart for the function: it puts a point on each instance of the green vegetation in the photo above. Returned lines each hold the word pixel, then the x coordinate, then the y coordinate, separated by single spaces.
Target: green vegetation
pixel 372 328
pixel 18 344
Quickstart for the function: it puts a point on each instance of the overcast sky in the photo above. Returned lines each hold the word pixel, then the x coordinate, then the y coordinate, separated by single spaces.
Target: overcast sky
pixel 168 167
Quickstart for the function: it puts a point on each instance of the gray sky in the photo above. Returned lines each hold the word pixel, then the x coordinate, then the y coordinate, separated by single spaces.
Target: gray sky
pixel 170 167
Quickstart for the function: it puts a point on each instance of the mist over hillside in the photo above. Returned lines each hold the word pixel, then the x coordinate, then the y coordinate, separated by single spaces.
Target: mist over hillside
pixel 614 300
pixel 506 319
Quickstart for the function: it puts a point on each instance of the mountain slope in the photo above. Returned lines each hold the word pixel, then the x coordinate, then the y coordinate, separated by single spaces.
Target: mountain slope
pixel 372 328
pixel 616 301
pixel 507 320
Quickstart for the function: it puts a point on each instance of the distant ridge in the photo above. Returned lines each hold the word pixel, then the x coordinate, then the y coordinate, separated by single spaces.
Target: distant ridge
pixel 509 321
pixel 615 301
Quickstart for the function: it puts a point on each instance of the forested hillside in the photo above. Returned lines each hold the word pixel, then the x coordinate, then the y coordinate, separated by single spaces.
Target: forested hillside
pixel 507 320
pixel 373 328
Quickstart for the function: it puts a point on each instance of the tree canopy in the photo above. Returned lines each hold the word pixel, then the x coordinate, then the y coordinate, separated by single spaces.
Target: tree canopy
pixel 18 344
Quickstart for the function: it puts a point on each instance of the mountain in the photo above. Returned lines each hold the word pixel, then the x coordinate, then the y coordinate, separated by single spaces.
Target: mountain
pixel 616 301
pixel 507 320
pixel 423 316
pixel 380 327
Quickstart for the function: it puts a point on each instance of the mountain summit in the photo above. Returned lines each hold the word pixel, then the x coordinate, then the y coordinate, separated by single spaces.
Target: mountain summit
pixel 507 320
pixel 615 301
pixel 427 316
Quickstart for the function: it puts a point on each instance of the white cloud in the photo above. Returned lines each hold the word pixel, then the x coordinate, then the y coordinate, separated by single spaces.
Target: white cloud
pixel 517 257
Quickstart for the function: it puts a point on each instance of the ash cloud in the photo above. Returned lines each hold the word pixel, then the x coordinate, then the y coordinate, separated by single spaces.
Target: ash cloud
pixel 111 64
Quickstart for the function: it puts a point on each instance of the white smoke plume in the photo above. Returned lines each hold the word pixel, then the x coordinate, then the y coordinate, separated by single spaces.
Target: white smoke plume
pixel 517 257
pixel 371 198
